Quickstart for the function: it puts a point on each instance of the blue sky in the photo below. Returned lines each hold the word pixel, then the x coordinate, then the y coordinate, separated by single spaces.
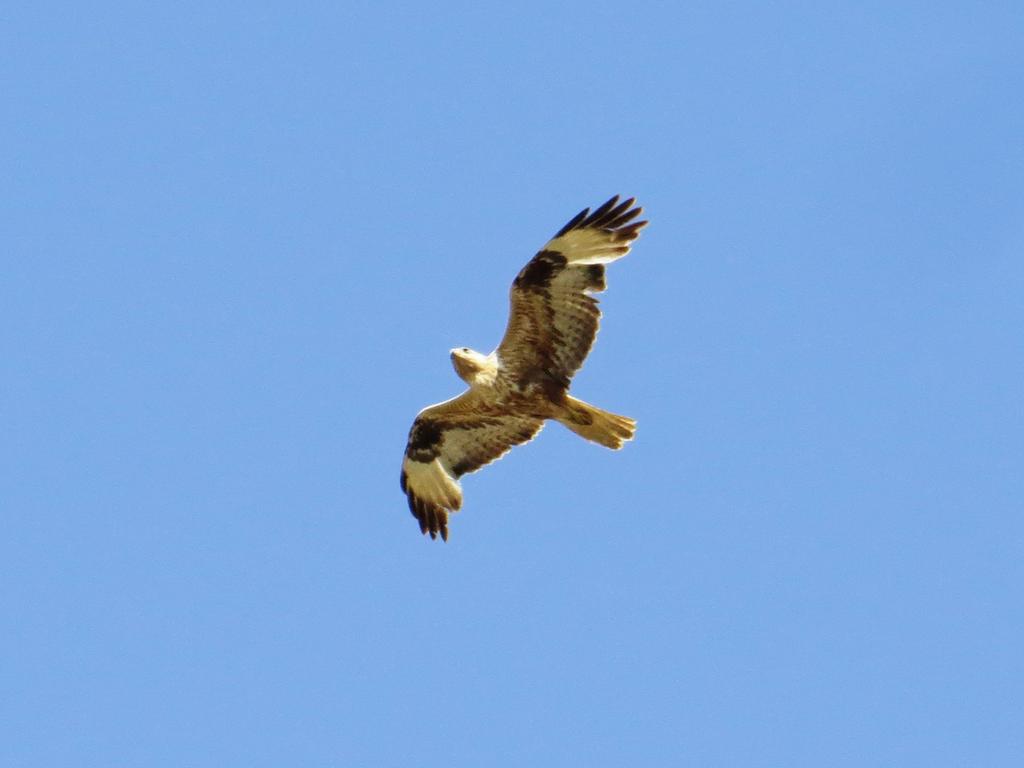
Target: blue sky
pixel 240 240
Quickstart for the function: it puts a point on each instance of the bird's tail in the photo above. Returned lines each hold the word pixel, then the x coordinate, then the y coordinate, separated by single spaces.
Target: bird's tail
pixel 590 423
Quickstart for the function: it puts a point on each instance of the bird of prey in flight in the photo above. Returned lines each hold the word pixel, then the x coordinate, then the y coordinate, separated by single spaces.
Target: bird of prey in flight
pixel 525 381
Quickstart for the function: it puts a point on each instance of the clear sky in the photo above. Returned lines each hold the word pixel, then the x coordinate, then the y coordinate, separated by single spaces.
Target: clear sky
pixel 238 242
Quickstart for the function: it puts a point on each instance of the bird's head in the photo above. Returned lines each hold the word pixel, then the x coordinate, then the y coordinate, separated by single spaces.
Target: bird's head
pixel 468 363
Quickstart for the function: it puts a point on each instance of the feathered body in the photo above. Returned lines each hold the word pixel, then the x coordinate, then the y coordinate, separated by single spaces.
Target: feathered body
pixel 512 391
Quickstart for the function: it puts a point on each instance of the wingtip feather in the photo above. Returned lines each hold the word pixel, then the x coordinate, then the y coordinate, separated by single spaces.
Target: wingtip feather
pixel 611 215
pixel 432 493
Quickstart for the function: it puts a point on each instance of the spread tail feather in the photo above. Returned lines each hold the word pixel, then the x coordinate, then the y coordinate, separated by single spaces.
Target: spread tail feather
pixel 590 423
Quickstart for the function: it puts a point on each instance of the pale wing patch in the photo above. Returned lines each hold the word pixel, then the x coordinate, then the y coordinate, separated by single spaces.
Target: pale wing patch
pixel 601 236
pixel 432 483
pixel 588 246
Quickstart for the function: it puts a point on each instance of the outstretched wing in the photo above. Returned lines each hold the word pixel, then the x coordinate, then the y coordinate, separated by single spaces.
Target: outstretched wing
pixel 554 318
pixel 448 440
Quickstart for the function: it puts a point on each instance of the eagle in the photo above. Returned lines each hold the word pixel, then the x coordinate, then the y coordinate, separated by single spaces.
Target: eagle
pixel 525 381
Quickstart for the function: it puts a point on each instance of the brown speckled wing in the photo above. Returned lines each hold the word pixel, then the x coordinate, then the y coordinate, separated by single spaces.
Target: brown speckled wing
pixel 445 442
pixel 554 317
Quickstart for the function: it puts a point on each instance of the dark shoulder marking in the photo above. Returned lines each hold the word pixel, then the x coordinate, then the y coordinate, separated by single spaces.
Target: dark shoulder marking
pixel 540 270
pixel 424 440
